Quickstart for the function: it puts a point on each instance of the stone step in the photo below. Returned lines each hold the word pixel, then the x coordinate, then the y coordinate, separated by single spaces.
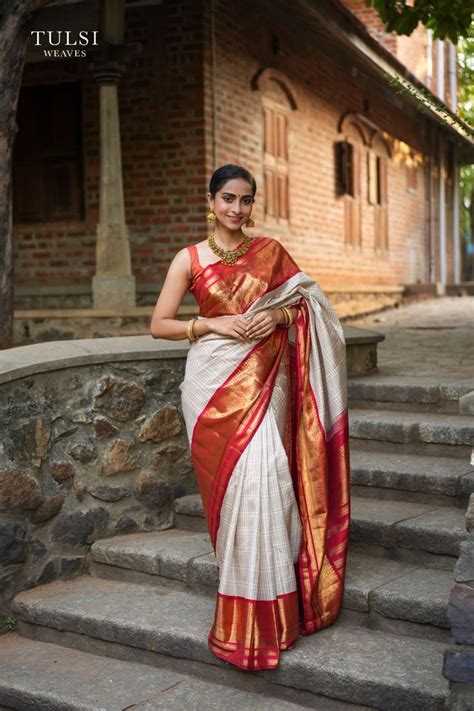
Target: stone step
pixel 405 530
pixel 409 393
pixel 392 592
pixel 437 480
pixel 424 433
pixel 342 661
pixel 39 675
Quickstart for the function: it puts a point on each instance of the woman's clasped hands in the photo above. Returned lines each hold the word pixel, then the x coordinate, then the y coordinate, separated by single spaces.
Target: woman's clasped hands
pixel 244 329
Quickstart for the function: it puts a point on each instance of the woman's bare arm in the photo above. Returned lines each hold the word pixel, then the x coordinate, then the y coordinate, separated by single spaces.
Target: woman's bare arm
pixel 163 322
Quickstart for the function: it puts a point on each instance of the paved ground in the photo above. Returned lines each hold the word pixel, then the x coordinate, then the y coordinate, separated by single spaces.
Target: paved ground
pixel 430 338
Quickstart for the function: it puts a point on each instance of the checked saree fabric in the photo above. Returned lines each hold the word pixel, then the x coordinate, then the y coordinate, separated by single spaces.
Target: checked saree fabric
pixel 267 425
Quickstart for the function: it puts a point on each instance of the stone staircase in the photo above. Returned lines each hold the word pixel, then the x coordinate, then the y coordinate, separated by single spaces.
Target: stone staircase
pixel 133 632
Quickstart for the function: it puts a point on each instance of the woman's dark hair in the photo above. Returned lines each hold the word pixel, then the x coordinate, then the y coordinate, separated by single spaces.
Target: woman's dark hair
pixel 228 172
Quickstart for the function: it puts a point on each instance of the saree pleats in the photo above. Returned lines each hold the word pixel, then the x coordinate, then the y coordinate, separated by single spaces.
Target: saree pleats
pixel 268 432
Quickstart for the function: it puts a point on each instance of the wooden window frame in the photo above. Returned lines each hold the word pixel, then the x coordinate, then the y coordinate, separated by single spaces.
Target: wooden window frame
pixel 381 206
pixel 275 121
pixel 350 169
pixel 56 172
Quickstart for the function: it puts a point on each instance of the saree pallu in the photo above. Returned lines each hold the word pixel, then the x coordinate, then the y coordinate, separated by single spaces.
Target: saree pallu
pixel 267 424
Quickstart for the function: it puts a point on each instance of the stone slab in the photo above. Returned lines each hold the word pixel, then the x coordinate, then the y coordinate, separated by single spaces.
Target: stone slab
pixel 355 335
pixel 466 404
pixel 438 531
pixel 393 389
pixel 374 521
pixel 39 676
pixel 408 472
pixel 388 671
pixel 167 553
pixel 409 388
pixel 411 427
pixel 365 573
pixel 420 595
pixel 200 695
pixel 457 389
pixel 345 662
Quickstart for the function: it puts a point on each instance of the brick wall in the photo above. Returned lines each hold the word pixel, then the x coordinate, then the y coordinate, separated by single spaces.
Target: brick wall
pixel 325 90
pixel 409 50
pixel 173 138
pixel 162 124
pixel 371 19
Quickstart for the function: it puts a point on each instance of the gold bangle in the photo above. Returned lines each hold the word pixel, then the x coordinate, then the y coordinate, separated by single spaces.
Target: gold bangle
pixel 288 318
pixel 189 330
pixel 285 316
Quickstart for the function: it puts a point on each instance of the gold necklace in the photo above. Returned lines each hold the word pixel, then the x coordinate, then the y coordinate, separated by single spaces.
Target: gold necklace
pixel 229 256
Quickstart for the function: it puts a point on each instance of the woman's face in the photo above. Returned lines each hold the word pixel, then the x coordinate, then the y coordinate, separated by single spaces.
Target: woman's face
pixel 233 203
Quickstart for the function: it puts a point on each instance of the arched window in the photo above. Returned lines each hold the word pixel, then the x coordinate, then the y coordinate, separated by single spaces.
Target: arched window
pixel 278 101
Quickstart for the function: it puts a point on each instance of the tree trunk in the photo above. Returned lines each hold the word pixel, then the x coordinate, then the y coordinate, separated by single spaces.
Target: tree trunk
pixel 13 41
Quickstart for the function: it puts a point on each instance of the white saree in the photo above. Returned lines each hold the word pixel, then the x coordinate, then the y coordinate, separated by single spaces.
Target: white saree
pixel 267 427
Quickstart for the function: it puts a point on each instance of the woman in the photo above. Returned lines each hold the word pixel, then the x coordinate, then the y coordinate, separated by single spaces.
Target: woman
pixel 264 399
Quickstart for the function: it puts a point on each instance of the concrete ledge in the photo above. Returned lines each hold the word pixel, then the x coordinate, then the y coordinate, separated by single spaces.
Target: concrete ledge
pixel 54 355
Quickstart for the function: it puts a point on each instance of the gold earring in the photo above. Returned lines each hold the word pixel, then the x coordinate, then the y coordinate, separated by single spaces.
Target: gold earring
pixel 211 216
pixel 250 223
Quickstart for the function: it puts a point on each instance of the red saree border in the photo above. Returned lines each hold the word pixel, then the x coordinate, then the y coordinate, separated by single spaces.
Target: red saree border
pixel 324 497
pixel 217 441
pixel 251 633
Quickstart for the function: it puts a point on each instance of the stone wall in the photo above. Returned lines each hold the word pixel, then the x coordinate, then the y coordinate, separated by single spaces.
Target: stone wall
pixel 93 444
pixel 459 661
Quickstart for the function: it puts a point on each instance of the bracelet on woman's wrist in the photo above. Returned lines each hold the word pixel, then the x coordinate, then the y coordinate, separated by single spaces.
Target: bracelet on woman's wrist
pixel 189 330
pixel 287 316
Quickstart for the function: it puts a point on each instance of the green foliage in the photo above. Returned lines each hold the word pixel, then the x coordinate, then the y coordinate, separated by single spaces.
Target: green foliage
pixel 466 110
pixel 465 53
pixel 426 100
pixel 449 19
pixel 10 623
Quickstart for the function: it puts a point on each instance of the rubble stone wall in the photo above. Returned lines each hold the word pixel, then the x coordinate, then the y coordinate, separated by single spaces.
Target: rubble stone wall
pixel 87 451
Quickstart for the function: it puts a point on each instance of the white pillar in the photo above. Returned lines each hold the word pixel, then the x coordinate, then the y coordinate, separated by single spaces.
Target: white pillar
pixel 453 77
pixel 456 226
pixel 442 213
pixel 440 70
pixel 113 284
